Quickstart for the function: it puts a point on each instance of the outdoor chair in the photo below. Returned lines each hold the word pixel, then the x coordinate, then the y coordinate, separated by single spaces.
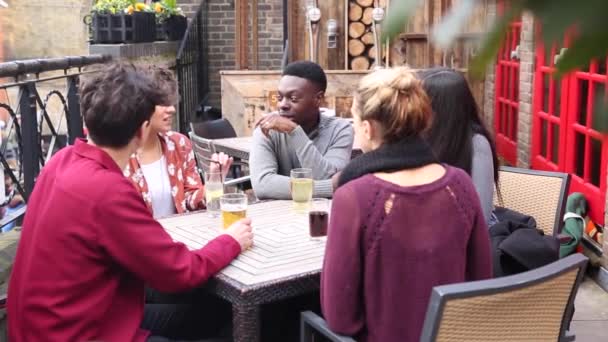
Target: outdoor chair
pixel 532 306
pixel 219 129
pixel 213 129
pixel 312 327
pixel 540 194
pixel 203 150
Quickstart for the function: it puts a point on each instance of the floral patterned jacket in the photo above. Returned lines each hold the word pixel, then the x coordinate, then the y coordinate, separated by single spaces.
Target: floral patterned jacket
pixel 186 186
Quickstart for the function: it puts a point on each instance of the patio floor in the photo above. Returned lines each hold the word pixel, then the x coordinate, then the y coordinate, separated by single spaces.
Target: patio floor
pixel 590 322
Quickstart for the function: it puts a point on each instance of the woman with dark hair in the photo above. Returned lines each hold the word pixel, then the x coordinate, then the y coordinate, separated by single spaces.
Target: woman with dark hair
pixel 401 222
pixel 164 169
pixel 458 135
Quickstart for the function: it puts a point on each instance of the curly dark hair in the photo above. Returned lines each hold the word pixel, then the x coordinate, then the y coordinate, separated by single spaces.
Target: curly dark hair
pixel 116 102
pixel 164 80
pixel 307 70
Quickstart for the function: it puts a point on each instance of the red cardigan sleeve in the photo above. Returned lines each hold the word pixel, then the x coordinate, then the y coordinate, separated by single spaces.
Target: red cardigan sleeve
pixel 140 244
pixel 342 276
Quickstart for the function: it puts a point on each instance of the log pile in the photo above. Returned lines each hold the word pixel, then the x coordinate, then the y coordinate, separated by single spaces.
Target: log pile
pixel 361 50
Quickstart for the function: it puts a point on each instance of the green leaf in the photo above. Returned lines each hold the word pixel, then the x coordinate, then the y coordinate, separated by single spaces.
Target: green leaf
pixel 492 42
pixel 586 47
pixel 399 13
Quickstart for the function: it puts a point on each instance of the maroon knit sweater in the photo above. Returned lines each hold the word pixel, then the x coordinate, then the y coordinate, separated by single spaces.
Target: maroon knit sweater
pixel 388 246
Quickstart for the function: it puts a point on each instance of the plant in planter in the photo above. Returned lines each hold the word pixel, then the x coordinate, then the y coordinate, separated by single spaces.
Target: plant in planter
pixel 122 21
pixel 171 22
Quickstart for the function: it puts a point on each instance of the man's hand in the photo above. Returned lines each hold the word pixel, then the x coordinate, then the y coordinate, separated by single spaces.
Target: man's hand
pixel 223 160
pixel 274 121
pixel 242 233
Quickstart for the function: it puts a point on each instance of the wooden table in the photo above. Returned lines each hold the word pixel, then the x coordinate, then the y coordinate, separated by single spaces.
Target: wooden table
pixel 234 147
pixel 283 262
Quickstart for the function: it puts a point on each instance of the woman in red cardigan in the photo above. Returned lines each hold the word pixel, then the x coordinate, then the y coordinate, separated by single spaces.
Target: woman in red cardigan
pixel 401 223
pixel 164 169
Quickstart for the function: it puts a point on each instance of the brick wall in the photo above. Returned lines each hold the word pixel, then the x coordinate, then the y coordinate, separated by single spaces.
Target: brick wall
pixel 526 79
pixel 189 6
pixel 270 28
pixel 488 97
pixel 222 33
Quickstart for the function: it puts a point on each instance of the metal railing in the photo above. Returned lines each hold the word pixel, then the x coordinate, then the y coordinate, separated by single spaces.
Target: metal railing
pixel 192 68
pixel 32 133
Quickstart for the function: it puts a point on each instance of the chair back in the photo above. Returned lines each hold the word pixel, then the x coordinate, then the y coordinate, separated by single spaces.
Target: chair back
pixel 213 129
pixel 203 150
pixel 530 306
pixel 540 194
pixel 313 328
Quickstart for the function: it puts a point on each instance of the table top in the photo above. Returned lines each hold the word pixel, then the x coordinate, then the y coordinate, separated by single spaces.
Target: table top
pixel 282 246
pixel 236 147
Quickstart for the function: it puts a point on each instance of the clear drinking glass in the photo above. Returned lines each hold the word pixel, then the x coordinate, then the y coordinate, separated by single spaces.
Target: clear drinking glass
pixel 214 189
pixel 318 218
pixel 301 188
pixel 233 207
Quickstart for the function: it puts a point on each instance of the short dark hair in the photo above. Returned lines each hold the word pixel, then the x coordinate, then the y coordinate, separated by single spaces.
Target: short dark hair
pixel 307 70
pixel 164 80
pixel 116 102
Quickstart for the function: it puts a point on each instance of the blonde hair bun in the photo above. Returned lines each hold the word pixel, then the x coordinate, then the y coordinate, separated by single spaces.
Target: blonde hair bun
pixel 394 98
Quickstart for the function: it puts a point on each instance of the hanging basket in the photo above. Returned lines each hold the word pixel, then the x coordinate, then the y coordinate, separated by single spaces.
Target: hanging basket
pixel 138 27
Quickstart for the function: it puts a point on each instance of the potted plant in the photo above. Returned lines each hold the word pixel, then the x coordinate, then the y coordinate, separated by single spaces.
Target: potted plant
pixel 122 21
pixel 171 21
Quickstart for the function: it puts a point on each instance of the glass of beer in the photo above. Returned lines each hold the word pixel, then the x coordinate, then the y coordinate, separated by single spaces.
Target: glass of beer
pixel 214 190
pixel 301 188
pixel 318 218
pixel 233 207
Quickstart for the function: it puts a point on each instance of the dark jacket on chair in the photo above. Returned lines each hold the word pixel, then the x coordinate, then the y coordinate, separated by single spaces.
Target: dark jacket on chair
pixel 517 244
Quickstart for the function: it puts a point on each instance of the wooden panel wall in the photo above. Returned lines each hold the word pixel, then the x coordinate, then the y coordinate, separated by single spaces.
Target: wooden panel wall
pixel 330 59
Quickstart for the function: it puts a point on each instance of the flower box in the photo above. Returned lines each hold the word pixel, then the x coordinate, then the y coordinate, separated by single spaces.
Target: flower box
pixel 175 27
pixel 138 27
pixel 172 28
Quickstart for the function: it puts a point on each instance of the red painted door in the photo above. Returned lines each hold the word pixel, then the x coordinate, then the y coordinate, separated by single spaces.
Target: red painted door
pixel 565 133
pixel 506 105
pixel 550 104
pixel 586 152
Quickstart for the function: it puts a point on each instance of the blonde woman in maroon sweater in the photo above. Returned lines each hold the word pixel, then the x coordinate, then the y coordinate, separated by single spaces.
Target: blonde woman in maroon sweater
pixel 401 223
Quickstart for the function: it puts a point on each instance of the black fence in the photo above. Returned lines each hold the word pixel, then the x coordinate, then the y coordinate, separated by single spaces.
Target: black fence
pixel 32 134
pixel 192 69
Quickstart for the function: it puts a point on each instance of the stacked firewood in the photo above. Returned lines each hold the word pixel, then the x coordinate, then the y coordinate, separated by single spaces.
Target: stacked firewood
pixel 362 53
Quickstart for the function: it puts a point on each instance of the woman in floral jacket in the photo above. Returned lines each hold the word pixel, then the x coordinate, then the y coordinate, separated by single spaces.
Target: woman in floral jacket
pixel 164 169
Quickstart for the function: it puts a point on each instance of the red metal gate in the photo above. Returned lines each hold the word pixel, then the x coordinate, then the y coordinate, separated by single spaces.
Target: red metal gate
pixel 506 105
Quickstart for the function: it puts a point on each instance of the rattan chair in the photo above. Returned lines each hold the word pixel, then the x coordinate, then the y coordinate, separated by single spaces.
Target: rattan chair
pixel 540 194
pixel 530 306
pixel 203 150
pixel 312 327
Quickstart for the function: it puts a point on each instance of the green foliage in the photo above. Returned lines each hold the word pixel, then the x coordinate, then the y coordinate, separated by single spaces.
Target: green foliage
pixel 167 8
pixel 584 22
pixel 110 6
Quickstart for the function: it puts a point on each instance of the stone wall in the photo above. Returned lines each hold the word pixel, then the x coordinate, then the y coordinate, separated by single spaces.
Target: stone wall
pixel 44 28
pixel 488 97
pixel 526 81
